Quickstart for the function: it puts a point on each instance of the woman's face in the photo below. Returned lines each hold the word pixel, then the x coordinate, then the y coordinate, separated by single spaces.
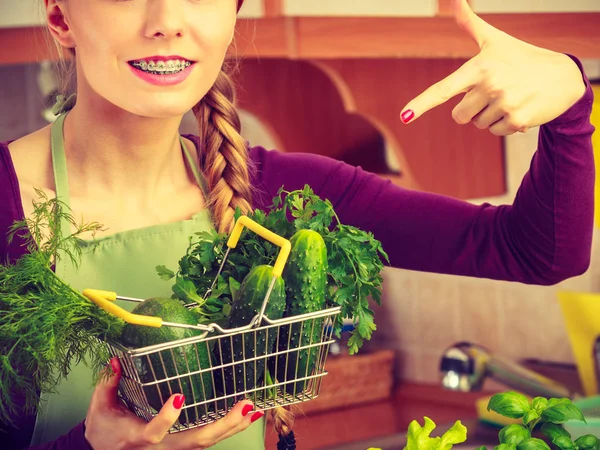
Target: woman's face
pixel 153 58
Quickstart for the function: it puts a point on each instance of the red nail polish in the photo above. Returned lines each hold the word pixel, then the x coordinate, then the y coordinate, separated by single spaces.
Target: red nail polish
pixel 407 115
pixel 247 409
pixel 114 365
pixel 178 401
pixel 257 415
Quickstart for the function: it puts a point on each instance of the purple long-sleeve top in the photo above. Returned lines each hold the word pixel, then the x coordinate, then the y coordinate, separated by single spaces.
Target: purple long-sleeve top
pixel 544 237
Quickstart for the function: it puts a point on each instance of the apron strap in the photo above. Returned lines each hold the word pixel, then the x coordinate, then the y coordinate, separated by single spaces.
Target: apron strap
pixel 59 165
pixel 195 170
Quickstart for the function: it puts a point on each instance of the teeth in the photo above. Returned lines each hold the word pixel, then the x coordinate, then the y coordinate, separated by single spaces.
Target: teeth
pixel 170 66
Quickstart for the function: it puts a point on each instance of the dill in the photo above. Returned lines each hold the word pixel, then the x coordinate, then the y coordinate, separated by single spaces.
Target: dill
pixel 46 326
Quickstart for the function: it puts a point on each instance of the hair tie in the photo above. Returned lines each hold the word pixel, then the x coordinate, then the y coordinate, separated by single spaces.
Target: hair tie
pixel 63 104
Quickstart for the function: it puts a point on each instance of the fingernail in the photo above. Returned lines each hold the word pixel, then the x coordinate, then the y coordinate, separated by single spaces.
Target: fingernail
pixel 247 409
pixel 407 115
pixel 114 365
pixel 178 401
pixel 257 415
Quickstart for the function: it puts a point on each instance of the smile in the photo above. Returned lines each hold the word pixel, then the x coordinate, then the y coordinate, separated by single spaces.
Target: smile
pixel 162 67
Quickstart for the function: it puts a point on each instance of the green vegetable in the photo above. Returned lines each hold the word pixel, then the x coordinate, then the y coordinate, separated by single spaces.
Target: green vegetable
pixel 510 404
pixel 354 259
pixel 305 276
pixel 513 434
pixel 418 437
pixel 171 362
pixel 587 442
pixel 45 325
pixel 252 344
pixel 549 413
pixel 355 262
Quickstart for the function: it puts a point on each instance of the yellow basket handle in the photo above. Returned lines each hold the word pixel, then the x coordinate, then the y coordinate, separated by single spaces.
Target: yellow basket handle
pixel 285 244
pixel 105 299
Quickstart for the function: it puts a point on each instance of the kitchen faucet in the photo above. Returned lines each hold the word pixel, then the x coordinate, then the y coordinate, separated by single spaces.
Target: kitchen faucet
pixel 465 366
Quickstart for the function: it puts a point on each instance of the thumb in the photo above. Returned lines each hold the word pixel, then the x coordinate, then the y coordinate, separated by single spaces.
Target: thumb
pixel 477 28
pixel 105 394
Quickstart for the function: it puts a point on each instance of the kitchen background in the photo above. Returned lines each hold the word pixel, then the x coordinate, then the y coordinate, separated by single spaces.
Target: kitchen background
pixel 422 314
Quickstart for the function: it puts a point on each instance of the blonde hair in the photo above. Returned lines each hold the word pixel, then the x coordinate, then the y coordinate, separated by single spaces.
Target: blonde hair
pixel 224 153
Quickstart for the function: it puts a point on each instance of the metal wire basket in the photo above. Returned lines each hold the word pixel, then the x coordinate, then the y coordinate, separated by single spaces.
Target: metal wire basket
pixel 206 369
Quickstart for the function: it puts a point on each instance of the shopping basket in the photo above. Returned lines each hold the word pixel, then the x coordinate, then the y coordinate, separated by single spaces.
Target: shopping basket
pixel 260 373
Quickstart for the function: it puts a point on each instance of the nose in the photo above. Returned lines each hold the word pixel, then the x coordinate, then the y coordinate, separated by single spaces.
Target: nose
pixel 165 19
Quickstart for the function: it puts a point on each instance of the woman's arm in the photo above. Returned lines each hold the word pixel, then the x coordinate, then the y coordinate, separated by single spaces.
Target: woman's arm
pixel 542 238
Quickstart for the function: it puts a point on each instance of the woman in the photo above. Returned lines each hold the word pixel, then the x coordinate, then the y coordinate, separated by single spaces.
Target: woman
pixel 117 158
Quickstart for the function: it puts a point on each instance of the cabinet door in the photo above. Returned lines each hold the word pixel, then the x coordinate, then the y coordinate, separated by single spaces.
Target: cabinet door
pixel 363 8
pixel 535 6
pixel 21 13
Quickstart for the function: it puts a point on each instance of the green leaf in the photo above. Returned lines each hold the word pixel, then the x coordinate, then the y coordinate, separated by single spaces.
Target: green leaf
pixel 563 442
pixel 509 404
pixel 533 444
pixel 505 447
pixel 513 434
pixel 552 431
pixel 164 273
pixel 418 438
pixel 562 411
pixel 531 416
pixel 457 434
pixel 539 404
pixel 186 291
pixel 234 286
pixel 587 442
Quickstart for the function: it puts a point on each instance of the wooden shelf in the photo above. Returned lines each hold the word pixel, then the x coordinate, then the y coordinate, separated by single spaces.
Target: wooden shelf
pixel 323 38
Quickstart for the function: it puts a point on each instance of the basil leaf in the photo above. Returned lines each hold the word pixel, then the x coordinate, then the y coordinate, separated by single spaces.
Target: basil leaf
pixel 513 434
pixel 539 404
pixel 509 404
pixel 530 416
pixel 505 447
pixel 562 411
pixel 483 447
pixel 564 443
pixel 587 442
pixel 533 444
pixel 552 431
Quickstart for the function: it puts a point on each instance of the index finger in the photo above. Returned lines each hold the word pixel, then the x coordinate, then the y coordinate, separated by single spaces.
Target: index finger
pixel 462 80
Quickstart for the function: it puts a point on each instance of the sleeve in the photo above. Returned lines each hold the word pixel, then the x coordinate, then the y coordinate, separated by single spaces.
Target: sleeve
pixel 10 207
pixel 73 440
pixel 543 238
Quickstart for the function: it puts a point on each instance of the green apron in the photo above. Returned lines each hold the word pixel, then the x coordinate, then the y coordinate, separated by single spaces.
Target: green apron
pixel 125 263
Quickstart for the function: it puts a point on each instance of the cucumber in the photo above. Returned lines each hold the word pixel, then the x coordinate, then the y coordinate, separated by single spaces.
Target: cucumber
pixel 172 362
pixel 305 277
pixel 248 301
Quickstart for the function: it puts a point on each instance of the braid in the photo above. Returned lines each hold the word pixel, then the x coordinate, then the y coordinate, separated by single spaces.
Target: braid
pixel 283 422
pixel 225 166
pixel 224 153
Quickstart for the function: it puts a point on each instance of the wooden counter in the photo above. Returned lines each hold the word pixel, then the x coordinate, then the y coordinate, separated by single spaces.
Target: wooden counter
pixel 387 417
pixel 353 427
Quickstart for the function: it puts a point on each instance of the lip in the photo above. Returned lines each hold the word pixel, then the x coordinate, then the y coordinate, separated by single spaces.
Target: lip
pixel 161 58
pixel 163 80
